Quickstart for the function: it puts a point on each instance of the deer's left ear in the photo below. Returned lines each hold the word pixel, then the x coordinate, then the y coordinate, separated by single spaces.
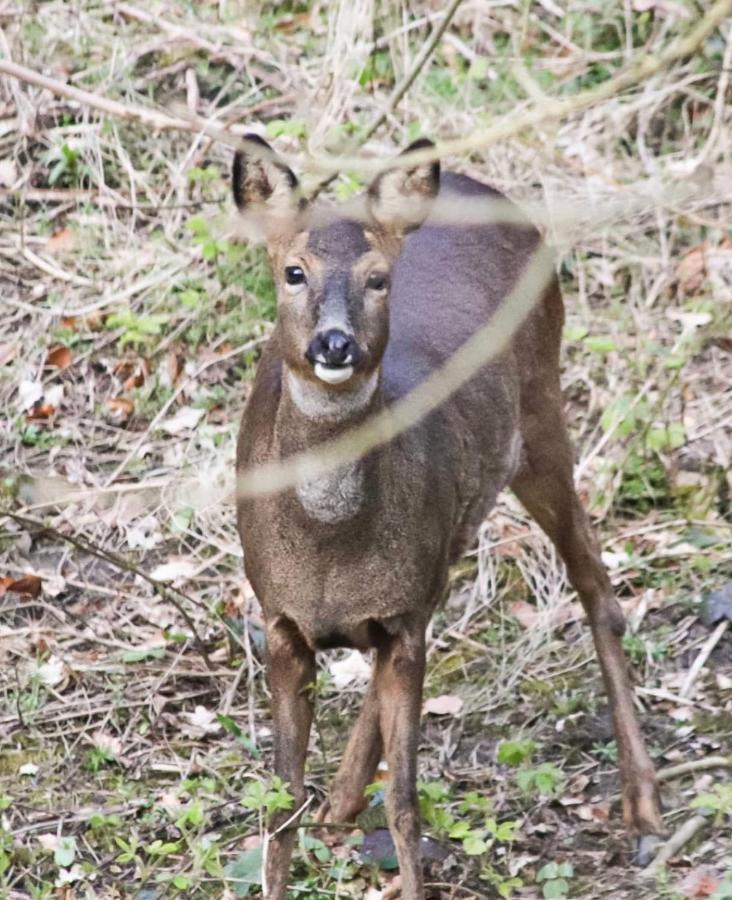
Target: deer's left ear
pixel 264 187
pixel 399 199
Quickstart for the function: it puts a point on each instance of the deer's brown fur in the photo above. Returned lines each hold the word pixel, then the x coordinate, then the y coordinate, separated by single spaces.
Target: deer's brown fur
pixel 360 557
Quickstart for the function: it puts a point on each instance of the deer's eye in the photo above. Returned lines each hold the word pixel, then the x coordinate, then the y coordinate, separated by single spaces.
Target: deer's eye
pixel 294 275
pixel 377 281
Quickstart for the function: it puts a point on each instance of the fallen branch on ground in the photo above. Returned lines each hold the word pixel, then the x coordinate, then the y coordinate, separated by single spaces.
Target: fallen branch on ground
pixel 679 839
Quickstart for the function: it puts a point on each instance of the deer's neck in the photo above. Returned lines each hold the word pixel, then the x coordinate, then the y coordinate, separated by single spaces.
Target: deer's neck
pixel 309 416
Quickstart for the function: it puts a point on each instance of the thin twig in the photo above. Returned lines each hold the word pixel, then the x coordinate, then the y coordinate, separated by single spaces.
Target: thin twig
pixel 401 88
pixel 703 655
pixel 235 351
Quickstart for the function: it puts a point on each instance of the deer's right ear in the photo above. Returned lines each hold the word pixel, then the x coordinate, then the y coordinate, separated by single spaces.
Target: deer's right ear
pixel 400 199
pixel 263 185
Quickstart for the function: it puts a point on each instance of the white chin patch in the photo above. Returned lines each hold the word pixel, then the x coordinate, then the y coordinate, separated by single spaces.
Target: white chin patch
pixel 333 376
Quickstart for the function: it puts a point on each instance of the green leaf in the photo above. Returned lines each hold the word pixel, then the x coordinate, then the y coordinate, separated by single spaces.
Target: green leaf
pixel 600 344
pixel 254 796
pixel 620 415
pixel 286 128
pixel 162 848
pixel 666 437
pixel 506 831
pixel 245 871
pixel 459 830
pixel 513 753
pixel 198 225
pixel 65 852
pixel 474 844
pixel 231 726
pixel 320 850
pixel 550 870
pixel 574 333
pixel 556 889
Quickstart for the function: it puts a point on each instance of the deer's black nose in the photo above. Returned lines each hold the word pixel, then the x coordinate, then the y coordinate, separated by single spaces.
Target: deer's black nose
pixel 333 348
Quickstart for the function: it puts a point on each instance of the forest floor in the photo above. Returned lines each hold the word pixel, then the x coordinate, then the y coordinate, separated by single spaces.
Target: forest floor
pixel 134 719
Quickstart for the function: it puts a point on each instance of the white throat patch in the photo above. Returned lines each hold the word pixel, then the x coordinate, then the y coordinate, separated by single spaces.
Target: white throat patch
pixel 316 402
pixel 334 497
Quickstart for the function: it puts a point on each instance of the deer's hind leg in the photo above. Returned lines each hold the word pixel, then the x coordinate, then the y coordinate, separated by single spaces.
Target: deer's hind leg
pixel 358 766
pixel 544 484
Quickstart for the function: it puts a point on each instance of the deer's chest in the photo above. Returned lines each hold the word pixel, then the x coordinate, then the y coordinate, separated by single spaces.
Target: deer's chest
pixel 334 497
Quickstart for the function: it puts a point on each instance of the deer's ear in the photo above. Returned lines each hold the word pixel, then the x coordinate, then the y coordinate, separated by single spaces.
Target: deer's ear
pixel 399 199
pixel 263 185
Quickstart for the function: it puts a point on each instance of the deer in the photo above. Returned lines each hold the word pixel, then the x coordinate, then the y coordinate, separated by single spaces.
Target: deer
pixel 368 306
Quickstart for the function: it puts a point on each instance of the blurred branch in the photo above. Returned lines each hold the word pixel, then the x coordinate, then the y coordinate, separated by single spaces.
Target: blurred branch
pixel 548 109
pixel 160 121
pixel 507 126
pixel 485 344
pixel 402 87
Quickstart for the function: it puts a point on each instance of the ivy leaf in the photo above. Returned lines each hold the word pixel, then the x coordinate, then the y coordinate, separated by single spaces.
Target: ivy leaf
pixel 245 871
pixel 474 844
pixel 65 852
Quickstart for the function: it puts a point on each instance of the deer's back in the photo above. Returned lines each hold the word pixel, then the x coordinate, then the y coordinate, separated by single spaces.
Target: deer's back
pixel 447 283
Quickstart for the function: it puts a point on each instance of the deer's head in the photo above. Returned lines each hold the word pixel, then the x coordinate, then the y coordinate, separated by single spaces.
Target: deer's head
pixel 332 273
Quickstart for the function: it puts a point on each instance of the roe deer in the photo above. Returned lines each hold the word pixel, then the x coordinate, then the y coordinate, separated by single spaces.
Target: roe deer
pixel 359 557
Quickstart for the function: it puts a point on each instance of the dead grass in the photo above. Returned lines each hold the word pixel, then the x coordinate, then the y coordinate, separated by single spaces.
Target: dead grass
pixel 113 245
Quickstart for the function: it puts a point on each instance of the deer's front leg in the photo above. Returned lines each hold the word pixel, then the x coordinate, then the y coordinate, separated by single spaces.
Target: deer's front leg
pixel 290 668
pixel 399 674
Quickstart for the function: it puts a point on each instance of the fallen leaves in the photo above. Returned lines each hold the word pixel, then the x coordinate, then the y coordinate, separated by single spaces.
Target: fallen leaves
pixel 28 585
pixel 29 393
pixel 176 569
pixel 8 352
pixel 695 266
pixel 699 882
pixel 39 401
pixel 59 357
pixel 119 409
pixel 200 722
pixel 61 241
pixel 185 419
pixel 444 705
pixel 144 534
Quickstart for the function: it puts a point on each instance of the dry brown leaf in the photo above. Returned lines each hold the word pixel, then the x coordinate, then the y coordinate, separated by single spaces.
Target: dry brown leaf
pixel 177 568
pixel 61 241
pixel 119 409
pixel 185 419
pixel 592 812
pixel 352 668
pixel 41 411
pixel 200 722
pixel 529 616
pixel 29 585
pixel 173 366
pixel 59 357
pixel 701 882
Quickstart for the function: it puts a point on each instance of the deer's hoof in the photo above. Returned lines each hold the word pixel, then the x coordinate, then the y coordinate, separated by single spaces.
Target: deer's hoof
pixel 645 848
